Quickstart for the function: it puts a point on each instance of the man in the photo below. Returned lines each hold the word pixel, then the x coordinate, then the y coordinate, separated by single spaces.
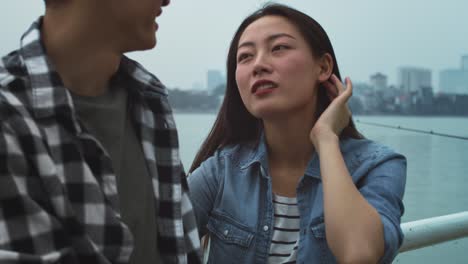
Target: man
pixel 89 164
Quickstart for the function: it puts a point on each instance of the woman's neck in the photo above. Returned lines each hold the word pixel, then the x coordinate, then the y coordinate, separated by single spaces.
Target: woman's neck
pixel 288 140
pixel 289 151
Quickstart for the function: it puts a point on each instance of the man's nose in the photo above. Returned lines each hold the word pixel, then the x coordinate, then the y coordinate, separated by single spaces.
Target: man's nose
pixel 166 2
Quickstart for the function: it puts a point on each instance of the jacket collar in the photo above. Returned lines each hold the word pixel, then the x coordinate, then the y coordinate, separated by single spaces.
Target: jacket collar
pixel 259 155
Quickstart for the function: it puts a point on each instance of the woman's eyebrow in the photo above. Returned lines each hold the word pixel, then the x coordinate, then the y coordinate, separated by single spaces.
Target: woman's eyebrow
pixel 269 39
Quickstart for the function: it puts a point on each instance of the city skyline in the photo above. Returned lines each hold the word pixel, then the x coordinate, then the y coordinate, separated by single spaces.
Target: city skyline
pixel 409 78
pixel 368 36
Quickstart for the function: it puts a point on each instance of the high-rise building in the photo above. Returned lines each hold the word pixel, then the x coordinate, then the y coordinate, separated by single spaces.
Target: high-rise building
pixel 464 63
pixel 413 79
pixel 455 81
pixel 378 81
pixel 213 79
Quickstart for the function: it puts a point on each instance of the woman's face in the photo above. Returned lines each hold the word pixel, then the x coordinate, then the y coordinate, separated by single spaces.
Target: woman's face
pixel 276 73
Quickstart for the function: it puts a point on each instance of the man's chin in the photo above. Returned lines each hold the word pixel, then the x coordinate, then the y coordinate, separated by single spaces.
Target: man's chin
pixel 142 45
pixel 149 43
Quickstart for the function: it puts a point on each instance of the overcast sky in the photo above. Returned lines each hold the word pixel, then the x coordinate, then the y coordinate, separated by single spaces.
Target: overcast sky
pixel 368 35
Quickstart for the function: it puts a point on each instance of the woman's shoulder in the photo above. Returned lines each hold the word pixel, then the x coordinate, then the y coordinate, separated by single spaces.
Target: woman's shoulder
pixel 366 149
pixel 363 155
pixel 226 164
pixel 233 154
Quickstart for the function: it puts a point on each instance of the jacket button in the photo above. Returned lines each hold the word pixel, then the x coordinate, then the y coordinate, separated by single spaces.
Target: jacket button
pixel 226 232
pixel 265 228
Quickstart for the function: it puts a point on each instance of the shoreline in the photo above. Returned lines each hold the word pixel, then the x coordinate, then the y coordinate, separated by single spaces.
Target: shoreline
pixel 215 111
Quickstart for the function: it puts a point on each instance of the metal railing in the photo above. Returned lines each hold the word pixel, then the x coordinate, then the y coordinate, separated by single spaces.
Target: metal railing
pixel 435 230
pixel 423 233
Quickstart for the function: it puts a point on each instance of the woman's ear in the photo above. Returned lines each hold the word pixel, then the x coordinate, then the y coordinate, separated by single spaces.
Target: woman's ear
pixel 325 64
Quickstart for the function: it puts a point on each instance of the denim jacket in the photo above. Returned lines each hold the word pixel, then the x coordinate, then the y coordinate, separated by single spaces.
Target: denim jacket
pixel 232 198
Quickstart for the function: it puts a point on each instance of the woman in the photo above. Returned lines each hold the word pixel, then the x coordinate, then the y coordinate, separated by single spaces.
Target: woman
pixel 284 176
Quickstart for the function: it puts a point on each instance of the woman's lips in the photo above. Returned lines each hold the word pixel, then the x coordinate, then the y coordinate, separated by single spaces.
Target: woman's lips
pixel 263 86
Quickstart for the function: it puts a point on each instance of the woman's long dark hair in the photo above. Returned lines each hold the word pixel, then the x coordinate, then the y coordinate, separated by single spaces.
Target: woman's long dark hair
pixel 234 124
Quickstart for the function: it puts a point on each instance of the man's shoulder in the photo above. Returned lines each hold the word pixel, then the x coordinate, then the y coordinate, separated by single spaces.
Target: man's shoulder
pixel 147 81
pixel 11 68
pixel 14 83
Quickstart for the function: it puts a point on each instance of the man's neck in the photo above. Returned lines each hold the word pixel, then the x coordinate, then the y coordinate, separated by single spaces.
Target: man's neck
pixel 84 62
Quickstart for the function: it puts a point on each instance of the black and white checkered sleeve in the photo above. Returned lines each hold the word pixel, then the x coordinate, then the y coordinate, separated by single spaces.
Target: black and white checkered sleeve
pixel 29 232
pixel 192 239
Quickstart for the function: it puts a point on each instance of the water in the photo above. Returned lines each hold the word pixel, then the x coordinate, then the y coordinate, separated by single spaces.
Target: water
pixel 437 170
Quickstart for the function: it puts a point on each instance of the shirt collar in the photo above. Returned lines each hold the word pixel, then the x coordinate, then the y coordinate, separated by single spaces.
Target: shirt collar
pixel 259 155
pixel 47 91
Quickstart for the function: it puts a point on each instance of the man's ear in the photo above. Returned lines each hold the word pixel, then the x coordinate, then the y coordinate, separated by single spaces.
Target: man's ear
pixel 325 64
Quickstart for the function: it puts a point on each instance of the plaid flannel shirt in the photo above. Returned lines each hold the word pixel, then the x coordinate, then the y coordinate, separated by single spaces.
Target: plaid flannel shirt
pixel 58 194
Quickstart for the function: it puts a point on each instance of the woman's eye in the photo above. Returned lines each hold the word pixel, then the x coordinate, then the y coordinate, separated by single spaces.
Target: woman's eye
pixel 280 47
pixel 243 57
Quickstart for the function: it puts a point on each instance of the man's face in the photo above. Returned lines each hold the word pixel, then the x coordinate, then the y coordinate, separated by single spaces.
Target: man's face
pixel 131 24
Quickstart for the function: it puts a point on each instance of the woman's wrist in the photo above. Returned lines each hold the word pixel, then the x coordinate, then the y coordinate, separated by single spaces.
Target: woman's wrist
pixel 323 138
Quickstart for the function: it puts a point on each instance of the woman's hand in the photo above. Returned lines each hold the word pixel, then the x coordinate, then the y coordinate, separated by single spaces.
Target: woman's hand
pixel 337 115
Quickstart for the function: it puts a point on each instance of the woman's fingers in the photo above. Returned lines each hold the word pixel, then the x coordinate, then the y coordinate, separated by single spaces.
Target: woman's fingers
pixel 337 83
pixel 336 88
pixel 331 90
pixel 349 88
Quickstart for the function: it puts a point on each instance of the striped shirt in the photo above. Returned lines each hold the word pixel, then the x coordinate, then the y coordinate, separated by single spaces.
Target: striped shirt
pixel 284 243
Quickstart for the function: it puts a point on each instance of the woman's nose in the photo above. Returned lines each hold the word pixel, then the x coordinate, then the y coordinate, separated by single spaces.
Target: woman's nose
pixel 261 65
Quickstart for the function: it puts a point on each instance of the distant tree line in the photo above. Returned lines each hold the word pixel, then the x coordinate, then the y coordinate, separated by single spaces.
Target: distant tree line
pixel 198 101
pixel 370 103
